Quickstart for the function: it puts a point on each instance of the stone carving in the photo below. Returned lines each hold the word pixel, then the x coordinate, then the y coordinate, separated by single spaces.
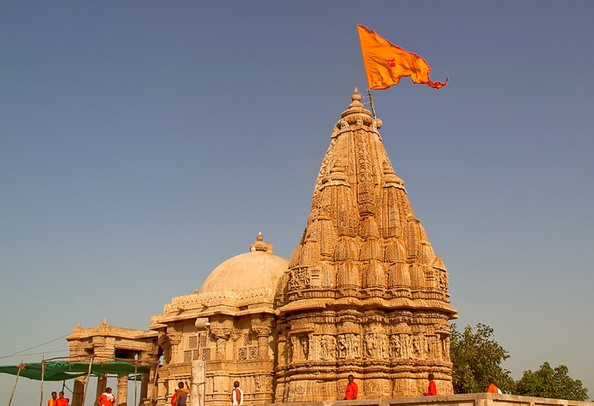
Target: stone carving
pixel 395 347
pixel 328 347
pixel 299 278
pixel 304 346
pixel 349 346
pixel 417 348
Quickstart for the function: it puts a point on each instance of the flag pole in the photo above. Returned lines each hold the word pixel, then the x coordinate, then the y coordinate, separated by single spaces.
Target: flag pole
pixel 371 103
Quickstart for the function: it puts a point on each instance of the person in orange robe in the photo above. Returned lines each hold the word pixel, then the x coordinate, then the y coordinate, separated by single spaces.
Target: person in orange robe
pixel 432 390
pixel 61 401
pixel 107 398
pixel 492 388
pixel 181 395
pixel 54 400
pixel 352 390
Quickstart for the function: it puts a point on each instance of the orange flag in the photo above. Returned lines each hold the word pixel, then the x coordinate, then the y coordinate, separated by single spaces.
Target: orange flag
pixel 386 63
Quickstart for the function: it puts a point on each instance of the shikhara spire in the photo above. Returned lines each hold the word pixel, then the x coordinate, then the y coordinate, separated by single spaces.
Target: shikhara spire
pixel 364 289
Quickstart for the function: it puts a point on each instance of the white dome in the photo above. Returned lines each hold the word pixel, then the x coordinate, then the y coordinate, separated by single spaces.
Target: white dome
pixel 257 269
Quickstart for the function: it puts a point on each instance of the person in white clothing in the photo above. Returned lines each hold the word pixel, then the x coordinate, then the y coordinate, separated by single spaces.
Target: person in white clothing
pixel 236 394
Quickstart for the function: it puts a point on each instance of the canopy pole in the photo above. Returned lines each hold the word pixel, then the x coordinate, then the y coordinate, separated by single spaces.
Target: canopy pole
pixel 135 380
pixel 21 367
pixel 371 103
pixel 87 381
pixel 42 373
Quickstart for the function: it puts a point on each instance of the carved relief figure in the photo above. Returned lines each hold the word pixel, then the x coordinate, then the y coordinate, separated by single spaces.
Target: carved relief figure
pixel 406 346
pixel 291 349
pixel 395 346
pixel 446 346
pixel 356 346
pixel 416 347
pixel 324 350
pixel 221 348
pixel 304 341
pixel 382 346
pixel 342 346
pixel 371 345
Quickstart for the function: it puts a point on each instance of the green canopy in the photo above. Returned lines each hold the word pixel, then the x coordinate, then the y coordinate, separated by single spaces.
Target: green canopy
pixel 60 371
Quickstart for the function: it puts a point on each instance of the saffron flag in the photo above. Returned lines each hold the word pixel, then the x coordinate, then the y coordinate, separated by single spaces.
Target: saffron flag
pixel 386 63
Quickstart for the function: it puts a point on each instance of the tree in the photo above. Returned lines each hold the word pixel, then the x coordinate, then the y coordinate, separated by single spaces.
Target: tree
pixel 477 357
pixel 551 383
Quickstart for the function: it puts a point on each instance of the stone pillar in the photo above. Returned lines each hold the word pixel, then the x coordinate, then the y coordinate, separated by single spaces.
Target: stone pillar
pixel 262 326
pixel 162 390
pixel 101 386
pixel 197 383
pixel 151 394
pixel 122 395
pixel 78 391
pixel 143 388
pixel 221 328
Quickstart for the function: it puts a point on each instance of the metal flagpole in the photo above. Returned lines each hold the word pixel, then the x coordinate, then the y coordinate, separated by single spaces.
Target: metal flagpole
pixel 371 103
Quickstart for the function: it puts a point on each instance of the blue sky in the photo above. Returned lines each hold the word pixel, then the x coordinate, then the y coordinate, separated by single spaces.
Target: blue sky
pixel 142 143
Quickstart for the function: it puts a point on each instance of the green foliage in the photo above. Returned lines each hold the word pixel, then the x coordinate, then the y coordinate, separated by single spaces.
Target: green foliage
pixel 477 357
pixel 551 383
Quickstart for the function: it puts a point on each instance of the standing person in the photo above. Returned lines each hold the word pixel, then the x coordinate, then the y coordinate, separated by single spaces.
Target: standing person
pixel 54 400
pixel 61 401
pixel 352 389
pixel 181 395
pixel 107 398
pixel 432 390
pixel 492 388
pixel 236 394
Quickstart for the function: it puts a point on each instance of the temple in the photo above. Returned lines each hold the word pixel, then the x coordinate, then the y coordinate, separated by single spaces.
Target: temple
pixel 363 294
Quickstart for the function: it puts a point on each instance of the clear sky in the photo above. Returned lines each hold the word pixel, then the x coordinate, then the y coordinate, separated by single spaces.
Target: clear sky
pixel 142 143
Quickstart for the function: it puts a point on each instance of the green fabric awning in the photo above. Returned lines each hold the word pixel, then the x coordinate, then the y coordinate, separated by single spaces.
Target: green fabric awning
pixel 60 371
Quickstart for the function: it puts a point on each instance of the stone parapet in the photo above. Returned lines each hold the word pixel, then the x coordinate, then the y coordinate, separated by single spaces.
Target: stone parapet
pixel 473 399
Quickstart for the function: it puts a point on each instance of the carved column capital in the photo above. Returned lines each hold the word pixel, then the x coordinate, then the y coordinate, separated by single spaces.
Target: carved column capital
pixel 221 333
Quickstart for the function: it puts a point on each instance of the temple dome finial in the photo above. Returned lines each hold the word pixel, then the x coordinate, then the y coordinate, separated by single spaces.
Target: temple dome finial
pixel 356 107
pixel 260 245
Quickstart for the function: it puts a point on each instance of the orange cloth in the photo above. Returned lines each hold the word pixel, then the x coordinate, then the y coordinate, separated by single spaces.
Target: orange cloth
pixel 106 399
pixel 352 390
pixel 61 402
pixel 52 402
pixel 386 63
pixel 432 390
pixel 236 396
pixel 492 389
pixel 178 395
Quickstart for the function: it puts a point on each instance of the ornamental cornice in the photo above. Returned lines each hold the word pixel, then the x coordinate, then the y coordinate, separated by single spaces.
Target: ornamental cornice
pixel 197 301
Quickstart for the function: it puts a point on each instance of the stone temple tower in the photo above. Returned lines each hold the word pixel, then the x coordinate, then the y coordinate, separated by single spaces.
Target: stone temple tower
pixel 364 293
